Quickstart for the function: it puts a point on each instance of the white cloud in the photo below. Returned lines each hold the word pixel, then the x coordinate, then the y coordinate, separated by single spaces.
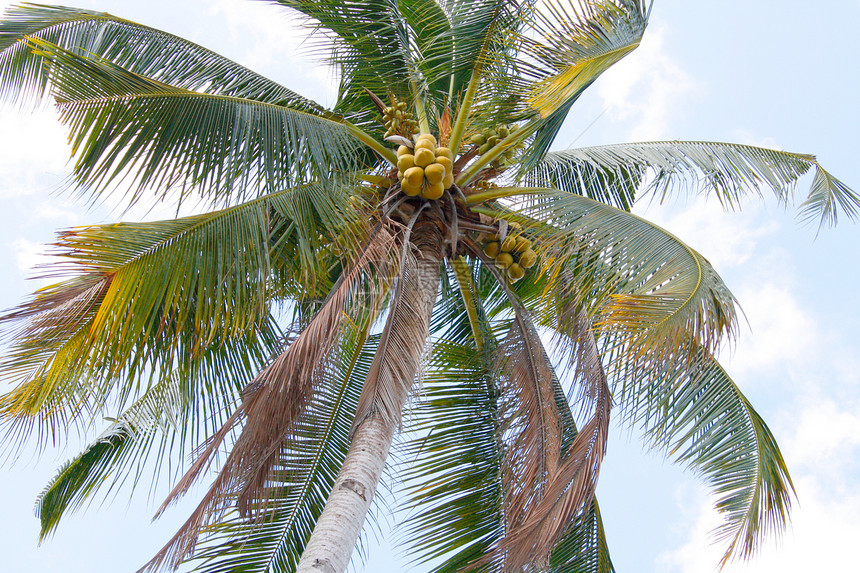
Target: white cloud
pixel 29 255
pixel 274 40
pixel 646 88
pixel 783 333
pixel 726 239
pixel 32 145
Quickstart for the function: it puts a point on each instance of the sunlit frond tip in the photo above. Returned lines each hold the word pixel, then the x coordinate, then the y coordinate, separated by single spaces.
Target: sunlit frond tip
pixel 705 422
pixel 575 42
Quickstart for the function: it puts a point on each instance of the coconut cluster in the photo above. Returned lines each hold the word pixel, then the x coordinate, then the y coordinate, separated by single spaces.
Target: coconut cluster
pixel 513 255
pixel 491 137
pixel 398 121
pixel 425 170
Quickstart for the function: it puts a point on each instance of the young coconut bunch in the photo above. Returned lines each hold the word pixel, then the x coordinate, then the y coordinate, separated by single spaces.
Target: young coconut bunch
pixel 404 254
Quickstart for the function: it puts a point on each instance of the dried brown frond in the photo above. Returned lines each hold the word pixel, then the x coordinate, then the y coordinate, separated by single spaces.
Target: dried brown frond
pixel 273 402
pixel 60 308
pixel 570 489
pixel 406 330
pixel 532 425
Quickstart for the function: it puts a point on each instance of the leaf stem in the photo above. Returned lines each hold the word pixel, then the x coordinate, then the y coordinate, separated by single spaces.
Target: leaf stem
pixel 464 109
pixel 365 138
pixel 467 289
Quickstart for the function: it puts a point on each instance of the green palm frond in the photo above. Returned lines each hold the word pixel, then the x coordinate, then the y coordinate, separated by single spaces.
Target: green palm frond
pixel 431 32
pixel 167 420
pixel 584 547
pixel 131 130
pixel 455 485
pixel 481 31
pixel 639 282
pixel 731 171
pixel 305 473
pixel 139 49
pixel 369 42
pixel 156 296
pixel 700 417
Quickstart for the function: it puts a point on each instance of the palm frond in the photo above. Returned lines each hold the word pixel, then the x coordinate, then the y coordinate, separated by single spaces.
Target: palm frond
pixel 584 547
pixel 160 424
pixel 431 32
pixel 543 508
pixel 457 483
pixel 641 283
pixel 698 415
pixel 129 129
pixel 731 171
pixel 369 42
pixel 304 474
pixel 403 338
pixel 562 50
pixel 152 297
pixel 137 48
pixel 454 484
pixel 481 32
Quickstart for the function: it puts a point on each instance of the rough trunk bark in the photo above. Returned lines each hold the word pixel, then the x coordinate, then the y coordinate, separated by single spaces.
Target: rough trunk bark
pixel 334 537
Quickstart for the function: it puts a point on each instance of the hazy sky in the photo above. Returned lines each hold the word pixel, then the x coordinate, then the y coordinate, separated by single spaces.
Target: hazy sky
pixel 783 74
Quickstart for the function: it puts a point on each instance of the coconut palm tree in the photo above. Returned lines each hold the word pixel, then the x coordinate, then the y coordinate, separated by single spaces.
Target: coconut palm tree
pixel 420 228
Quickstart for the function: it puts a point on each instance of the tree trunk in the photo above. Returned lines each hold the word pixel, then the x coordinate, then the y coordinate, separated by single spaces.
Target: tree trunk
pixel 336 532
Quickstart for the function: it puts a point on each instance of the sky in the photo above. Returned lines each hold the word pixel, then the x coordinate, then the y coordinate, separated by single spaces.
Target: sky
pixel 775 73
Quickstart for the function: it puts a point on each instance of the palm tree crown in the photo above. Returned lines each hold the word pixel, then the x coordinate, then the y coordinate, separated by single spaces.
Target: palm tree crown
pixel 419 228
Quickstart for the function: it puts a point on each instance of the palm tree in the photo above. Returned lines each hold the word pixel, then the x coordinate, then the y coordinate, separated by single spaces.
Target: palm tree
pixel 421 225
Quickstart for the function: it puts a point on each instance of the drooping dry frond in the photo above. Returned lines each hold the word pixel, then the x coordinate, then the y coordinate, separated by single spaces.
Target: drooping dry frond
pixel 301 477
pixel 543 505
pixel 275 400
pixel 404 337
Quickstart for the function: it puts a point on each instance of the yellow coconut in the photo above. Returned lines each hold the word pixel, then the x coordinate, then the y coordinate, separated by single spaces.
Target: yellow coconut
pixel 492 249
pixel 445 152
pixel 426 137
pixel 504 260
pixel 509 243
pixel 516 272
pixel 448 181
pixel 442 160
pixel 424 157
pixel 404 162
pixel 409 189
pixel 435 173
pixel 433 191
pixel 522 245
pixel 403 150
pixel 528 259
pixel 415 176
pixel 425 144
